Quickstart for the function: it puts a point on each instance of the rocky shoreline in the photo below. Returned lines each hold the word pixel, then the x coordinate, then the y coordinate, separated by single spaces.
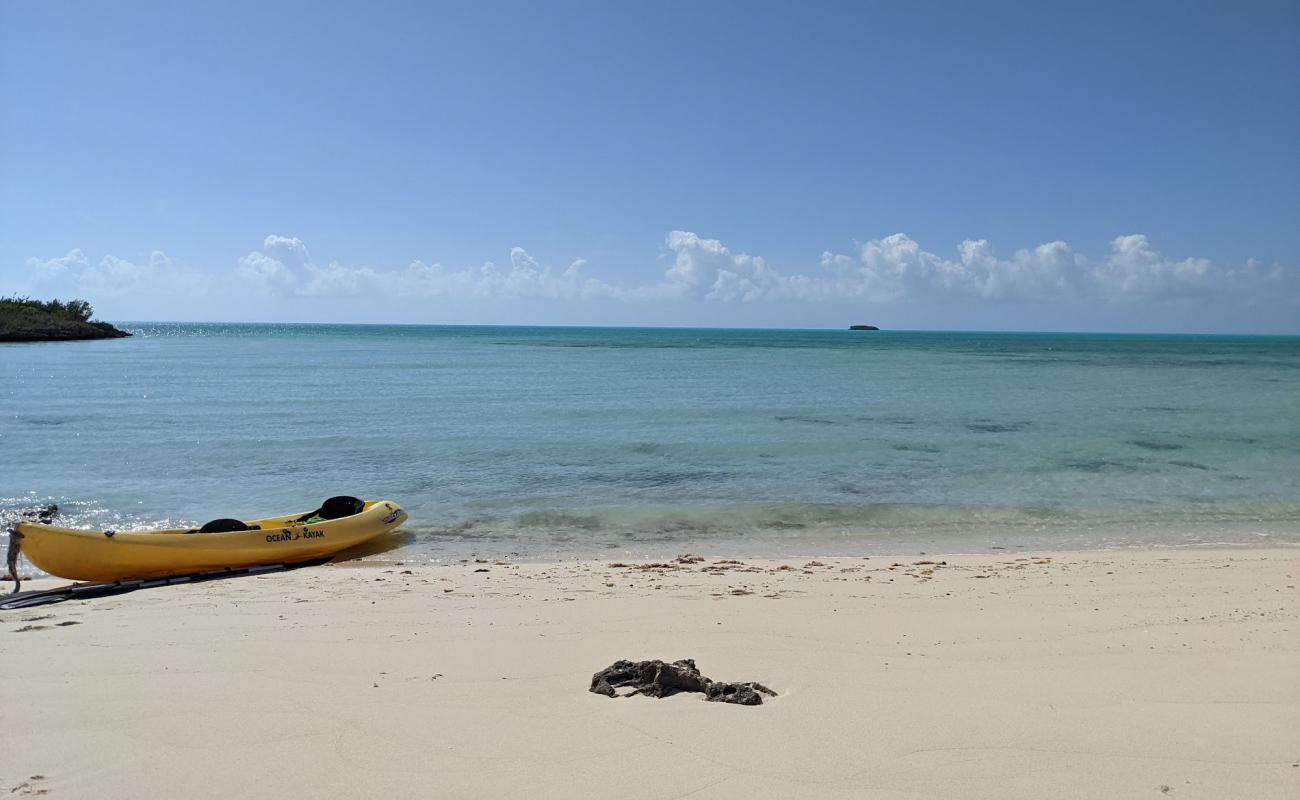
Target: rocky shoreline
pixel 25 320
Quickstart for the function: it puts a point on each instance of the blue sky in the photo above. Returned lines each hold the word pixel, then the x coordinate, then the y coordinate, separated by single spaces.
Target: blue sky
pixel 1127 166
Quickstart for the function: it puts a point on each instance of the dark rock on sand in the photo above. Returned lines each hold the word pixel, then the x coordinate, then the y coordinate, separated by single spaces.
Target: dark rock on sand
pixel 653 678
pixel 660 679
pixel 745 694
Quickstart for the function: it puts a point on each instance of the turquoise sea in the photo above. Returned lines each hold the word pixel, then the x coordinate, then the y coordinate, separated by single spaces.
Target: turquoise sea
pixel 581 441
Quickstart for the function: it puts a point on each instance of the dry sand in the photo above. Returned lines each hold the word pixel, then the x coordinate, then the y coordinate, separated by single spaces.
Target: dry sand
pixel 1103 674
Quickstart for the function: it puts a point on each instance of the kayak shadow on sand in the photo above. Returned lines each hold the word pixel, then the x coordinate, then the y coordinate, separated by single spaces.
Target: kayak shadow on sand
pixel 380 544
pixel 90 591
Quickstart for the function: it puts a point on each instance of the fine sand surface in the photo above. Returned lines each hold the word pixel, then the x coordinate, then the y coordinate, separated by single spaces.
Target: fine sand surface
pixel 1102 674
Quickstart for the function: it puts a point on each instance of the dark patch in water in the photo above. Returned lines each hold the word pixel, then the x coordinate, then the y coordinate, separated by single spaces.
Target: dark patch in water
pixel 672 529
pixel 1190 465
pixel 467 530
pixel 1045 513
pixel 658 478
pixel 646 448
pixel 1096 465
pixel 848 488
pixel 890 420
pixel 917 448
pixel 1163 409
pixel 1231 439
pixel 782 525
pixel 996 427
pixel 559 519
pixel 46 420
pixel 1149 444
pixel 810 420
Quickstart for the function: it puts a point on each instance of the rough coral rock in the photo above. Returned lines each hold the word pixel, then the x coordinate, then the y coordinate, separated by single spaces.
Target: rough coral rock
pixel 662 679
pixel 745 694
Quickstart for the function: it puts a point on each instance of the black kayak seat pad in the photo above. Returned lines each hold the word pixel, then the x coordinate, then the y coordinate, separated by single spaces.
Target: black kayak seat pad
pixel 225 525
pixel 337 508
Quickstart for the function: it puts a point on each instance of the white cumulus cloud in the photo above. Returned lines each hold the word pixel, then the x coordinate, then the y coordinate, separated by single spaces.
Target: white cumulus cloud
pixel 892 269
pixel 75 275
pixel 284 266
pixel 707 268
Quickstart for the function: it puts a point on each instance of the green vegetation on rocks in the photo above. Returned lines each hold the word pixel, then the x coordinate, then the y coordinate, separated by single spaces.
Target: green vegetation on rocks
pixel 25 320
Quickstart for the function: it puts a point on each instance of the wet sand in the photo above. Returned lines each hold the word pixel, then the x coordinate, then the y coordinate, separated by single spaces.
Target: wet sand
pixel 1098 674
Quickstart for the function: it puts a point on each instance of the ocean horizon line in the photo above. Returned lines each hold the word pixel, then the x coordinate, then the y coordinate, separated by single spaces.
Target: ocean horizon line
pixel 775 329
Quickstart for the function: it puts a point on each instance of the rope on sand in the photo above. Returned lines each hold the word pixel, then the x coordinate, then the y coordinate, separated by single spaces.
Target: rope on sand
pixel 44 514
pixel 15 543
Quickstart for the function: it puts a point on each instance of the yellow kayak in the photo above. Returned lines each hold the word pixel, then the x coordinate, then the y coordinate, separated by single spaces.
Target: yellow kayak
pixel 84 555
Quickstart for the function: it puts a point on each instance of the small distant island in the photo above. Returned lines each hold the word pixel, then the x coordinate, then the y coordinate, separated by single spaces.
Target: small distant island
pixel 863 328
pixel 25 320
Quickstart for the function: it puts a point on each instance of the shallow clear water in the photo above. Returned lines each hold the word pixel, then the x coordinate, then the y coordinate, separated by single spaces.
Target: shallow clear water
pixel 579 440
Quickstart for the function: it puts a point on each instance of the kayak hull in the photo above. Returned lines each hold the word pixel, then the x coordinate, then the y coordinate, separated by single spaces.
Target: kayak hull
pixel 84 555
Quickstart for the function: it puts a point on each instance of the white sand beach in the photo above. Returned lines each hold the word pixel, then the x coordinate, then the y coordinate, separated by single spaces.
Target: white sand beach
pixel 1096 674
